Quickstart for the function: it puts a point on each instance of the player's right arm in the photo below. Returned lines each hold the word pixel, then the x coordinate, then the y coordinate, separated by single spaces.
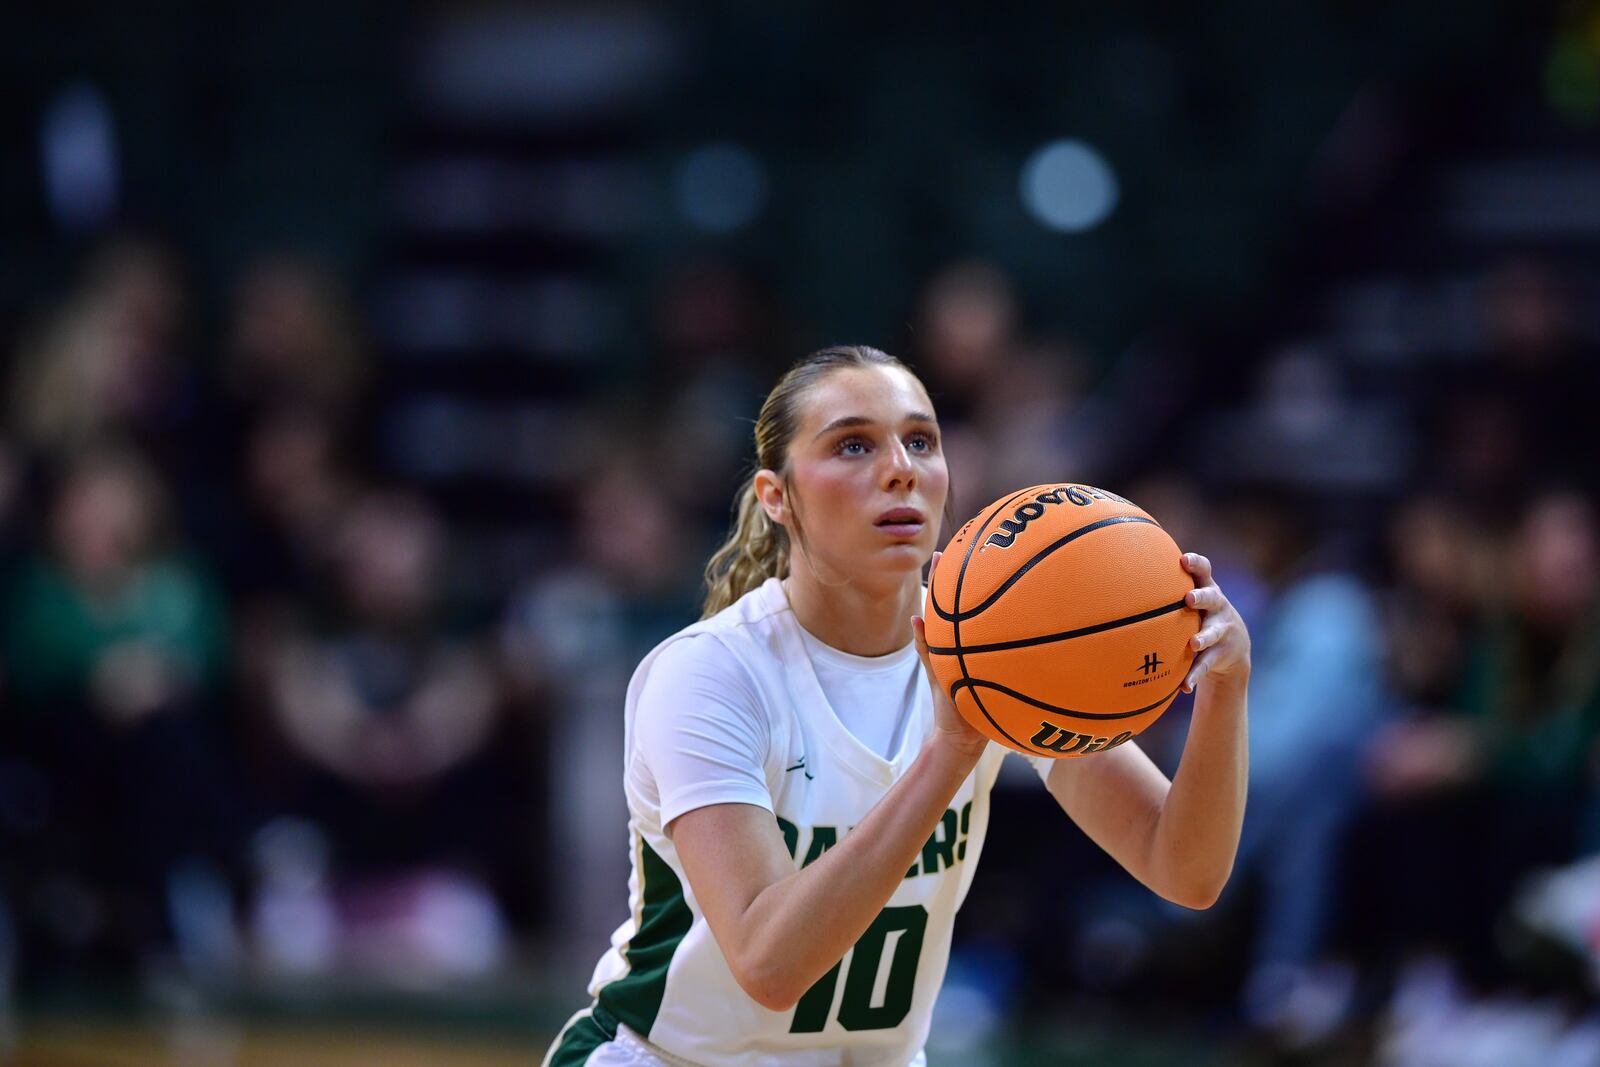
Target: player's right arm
pixel 780 929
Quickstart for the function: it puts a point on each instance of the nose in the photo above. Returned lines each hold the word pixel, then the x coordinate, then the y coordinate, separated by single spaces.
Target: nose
pixel 899 471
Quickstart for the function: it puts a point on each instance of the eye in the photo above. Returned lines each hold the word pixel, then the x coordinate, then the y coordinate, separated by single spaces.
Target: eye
pixel 850 446
pixel 922 441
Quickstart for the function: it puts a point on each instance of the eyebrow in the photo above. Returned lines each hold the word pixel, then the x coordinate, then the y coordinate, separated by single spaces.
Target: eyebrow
pixel 846 421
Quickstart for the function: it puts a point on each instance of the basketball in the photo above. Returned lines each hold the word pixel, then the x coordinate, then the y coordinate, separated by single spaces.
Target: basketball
pixel 1056 620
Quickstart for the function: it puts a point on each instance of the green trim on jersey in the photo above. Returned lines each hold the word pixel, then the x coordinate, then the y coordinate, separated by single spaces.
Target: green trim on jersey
pixel 635 998
pixel 577 1041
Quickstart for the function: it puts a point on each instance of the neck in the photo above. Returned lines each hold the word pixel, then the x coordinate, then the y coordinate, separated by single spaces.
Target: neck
pixel 863 620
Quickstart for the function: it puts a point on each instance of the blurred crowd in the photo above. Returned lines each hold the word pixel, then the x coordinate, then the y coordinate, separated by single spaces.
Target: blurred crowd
pixel 1424 809
pixel 245 724
pixel 252 720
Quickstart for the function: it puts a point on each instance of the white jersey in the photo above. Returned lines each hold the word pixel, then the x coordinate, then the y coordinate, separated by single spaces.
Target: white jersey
pixel 665 977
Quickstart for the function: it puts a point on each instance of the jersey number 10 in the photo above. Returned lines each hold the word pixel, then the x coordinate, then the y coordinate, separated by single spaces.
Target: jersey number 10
pixel 864 984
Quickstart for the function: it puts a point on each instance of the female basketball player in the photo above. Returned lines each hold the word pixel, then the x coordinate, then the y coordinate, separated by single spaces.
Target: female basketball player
pixel 806 810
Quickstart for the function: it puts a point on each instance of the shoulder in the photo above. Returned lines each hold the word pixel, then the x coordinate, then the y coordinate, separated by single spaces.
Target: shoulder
pixel 722 659
pixel 758 612
pixel 700 661
pixel 699 730
pixel 735 642
pixel 724 667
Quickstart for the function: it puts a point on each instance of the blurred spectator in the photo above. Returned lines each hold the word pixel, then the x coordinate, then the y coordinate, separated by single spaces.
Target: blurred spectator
pixel 1481 448
pixel 1524 410
pixel 108 360
pixel 1498 780
pixel 386 711
pixel 1531 326
pixel 293 341
pixel 1027 418
pixel 115 646
pixel 572 638
pixel 296 485
pixel 1533 679
pixel 1443 577
pixel 383 700
pixel 1314 698
pixel 278 448
pixel 1010 409
pixel 716 333
pixel 714 312
pixel 966 333
pixel 111 618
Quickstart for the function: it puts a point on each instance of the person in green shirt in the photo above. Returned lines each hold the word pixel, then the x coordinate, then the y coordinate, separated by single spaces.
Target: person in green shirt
pixel 114 645
pixel 1496 778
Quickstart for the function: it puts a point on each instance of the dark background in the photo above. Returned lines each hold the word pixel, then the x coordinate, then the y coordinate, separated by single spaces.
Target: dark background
pixel 378 378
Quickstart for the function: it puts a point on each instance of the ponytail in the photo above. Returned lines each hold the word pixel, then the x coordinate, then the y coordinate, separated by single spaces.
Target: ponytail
pixel 756 549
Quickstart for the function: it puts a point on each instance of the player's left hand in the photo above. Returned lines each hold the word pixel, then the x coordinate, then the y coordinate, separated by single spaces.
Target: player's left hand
pixel 1222 646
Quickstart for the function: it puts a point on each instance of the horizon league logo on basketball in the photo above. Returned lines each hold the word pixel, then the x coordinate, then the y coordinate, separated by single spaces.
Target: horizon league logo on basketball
pixel 1151 669
pixel 1053 738
pixel 1080 495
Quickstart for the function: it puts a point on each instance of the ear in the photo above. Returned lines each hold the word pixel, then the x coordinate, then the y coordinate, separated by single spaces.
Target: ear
pixel 771 495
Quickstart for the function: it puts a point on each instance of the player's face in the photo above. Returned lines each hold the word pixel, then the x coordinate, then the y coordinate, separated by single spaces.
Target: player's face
pixel 867 472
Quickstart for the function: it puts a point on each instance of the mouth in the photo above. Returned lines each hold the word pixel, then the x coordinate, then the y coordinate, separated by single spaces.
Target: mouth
pixel 901 522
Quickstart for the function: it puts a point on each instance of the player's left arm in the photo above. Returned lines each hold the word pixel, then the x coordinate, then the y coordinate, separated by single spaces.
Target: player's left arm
pixel 1178 837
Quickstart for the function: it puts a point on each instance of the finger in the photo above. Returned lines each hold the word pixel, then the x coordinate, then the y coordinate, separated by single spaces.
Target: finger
pixel 1208 636
pixel 934 565
pixel 1206 598
pixel 1202 667
pixel 1199 566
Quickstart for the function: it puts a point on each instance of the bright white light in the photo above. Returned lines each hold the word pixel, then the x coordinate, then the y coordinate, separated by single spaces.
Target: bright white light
pixel 720 187
pixel 1068 186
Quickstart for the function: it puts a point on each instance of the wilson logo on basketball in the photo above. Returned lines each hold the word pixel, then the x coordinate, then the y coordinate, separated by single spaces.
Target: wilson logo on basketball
pixel 1010 529
pixel 1052 738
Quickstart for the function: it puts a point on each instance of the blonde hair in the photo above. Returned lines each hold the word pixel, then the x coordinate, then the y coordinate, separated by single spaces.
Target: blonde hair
pixel 758 548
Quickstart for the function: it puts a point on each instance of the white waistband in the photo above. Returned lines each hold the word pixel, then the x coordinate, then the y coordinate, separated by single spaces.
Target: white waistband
pixel 630 1035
